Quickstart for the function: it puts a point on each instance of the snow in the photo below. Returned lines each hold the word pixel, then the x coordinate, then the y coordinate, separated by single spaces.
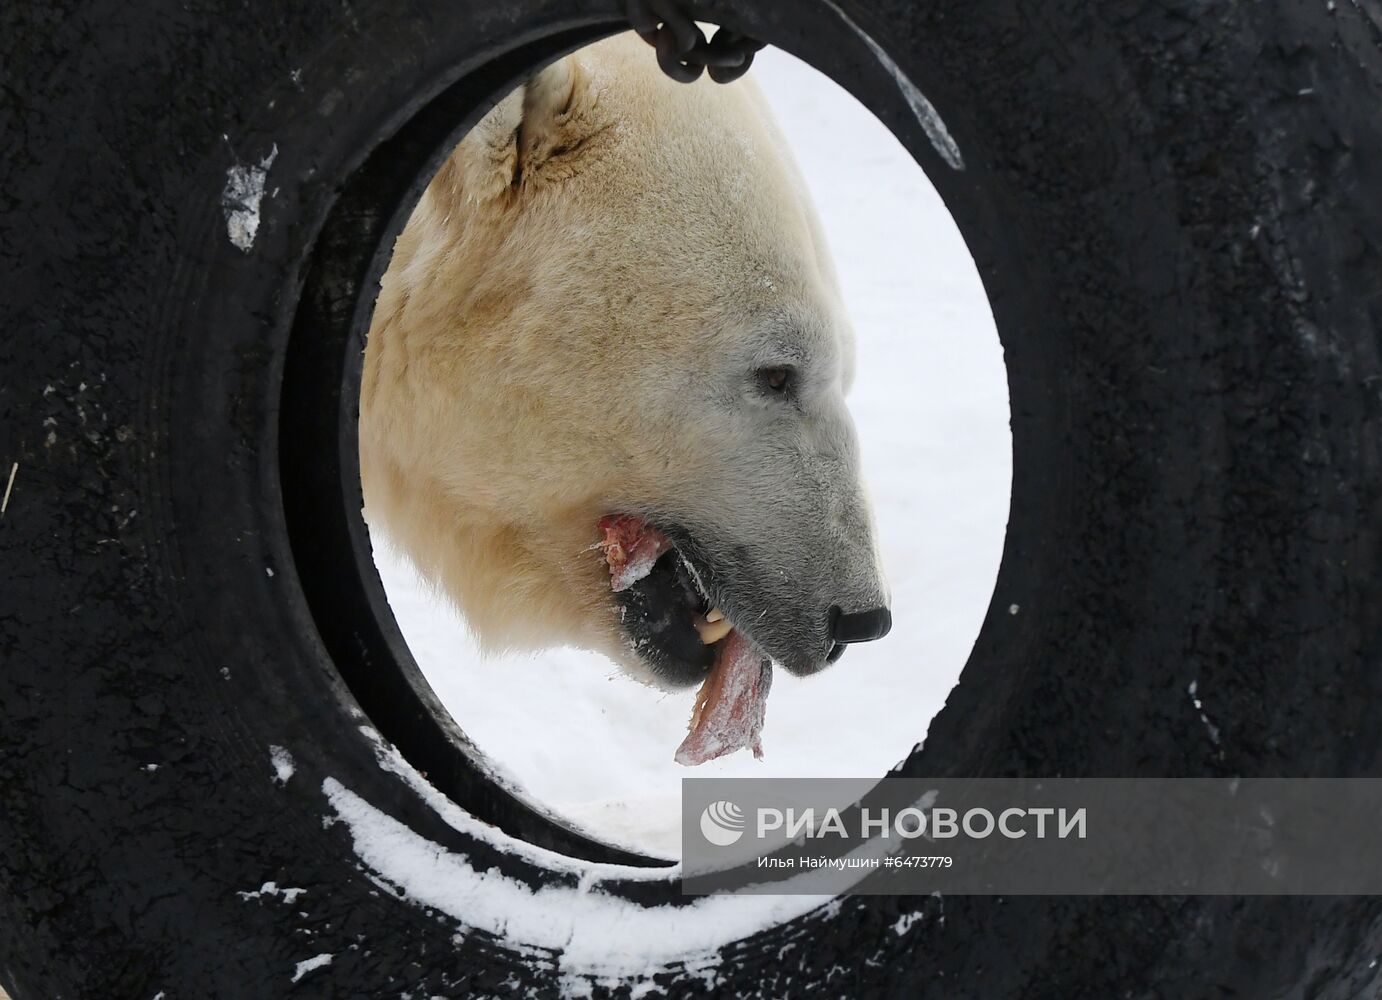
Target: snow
pixel 241 198
pixel 597 937
pixel 926 114
pixel 904 923
pixel 283 764
pixel 308 964
pixel 596 933
pixel 9 488
pixel 1210 728
pixel 930 401
pixel 272 889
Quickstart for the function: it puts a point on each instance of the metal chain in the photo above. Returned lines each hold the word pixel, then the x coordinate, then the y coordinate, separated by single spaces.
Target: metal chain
pixel 682 49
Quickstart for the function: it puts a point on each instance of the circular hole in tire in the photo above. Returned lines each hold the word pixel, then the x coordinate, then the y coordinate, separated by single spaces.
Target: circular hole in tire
pixel 566 731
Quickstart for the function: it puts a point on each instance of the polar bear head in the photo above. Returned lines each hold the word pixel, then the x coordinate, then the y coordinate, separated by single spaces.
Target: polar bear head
pixel 615 299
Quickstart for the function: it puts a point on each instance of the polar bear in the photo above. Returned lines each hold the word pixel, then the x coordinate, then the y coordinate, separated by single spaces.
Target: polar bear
pixel 612 320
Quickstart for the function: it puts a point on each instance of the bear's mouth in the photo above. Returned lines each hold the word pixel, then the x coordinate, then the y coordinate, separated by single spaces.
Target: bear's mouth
pixel 675 628
pixel 663 605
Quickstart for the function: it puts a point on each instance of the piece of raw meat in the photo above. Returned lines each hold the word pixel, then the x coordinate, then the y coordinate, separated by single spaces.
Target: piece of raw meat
pixel 730 705
pixel 631 547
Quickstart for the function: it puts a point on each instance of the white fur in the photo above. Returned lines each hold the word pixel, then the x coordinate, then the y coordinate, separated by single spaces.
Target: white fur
pixel 570 326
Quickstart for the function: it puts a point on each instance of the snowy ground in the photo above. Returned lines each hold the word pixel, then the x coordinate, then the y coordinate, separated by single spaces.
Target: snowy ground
pixel 931 404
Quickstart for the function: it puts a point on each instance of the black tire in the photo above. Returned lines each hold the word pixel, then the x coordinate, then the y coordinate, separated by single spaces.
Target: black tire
pixel 1177 213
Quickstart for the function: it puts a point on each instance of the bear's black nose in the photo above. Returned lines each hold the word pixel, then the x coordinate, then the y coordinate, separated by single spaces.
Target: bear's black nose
pixel 859 626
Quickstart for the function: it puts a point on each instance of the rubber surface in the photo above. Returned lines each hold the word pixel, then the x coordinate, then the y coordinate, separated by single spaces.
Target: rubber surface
pixel 1175 208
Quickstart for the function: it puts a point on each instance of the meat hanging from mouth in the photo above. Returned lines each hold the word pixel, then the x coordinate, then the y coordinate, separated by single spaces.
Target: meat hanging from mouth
pixel 731 704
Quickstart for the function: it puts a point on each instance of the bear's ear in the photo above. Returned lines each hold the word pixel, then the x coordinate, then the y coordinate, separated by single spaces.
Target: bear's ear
pixel 523 133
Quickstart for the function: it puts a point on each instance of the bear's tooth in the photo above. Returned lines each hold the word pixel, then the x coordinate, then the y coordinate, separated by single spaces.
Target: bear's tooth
pixel 714 615
pixel 712 632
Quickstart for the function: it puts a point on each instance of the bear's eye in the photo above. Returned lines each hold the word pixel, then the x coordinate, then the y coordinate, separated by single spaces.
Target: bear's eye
pixel 776 381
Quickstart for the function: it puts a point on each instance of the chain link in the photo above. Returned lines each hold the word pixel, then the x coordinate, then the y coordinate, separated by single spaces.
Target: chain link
pixel 682 49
